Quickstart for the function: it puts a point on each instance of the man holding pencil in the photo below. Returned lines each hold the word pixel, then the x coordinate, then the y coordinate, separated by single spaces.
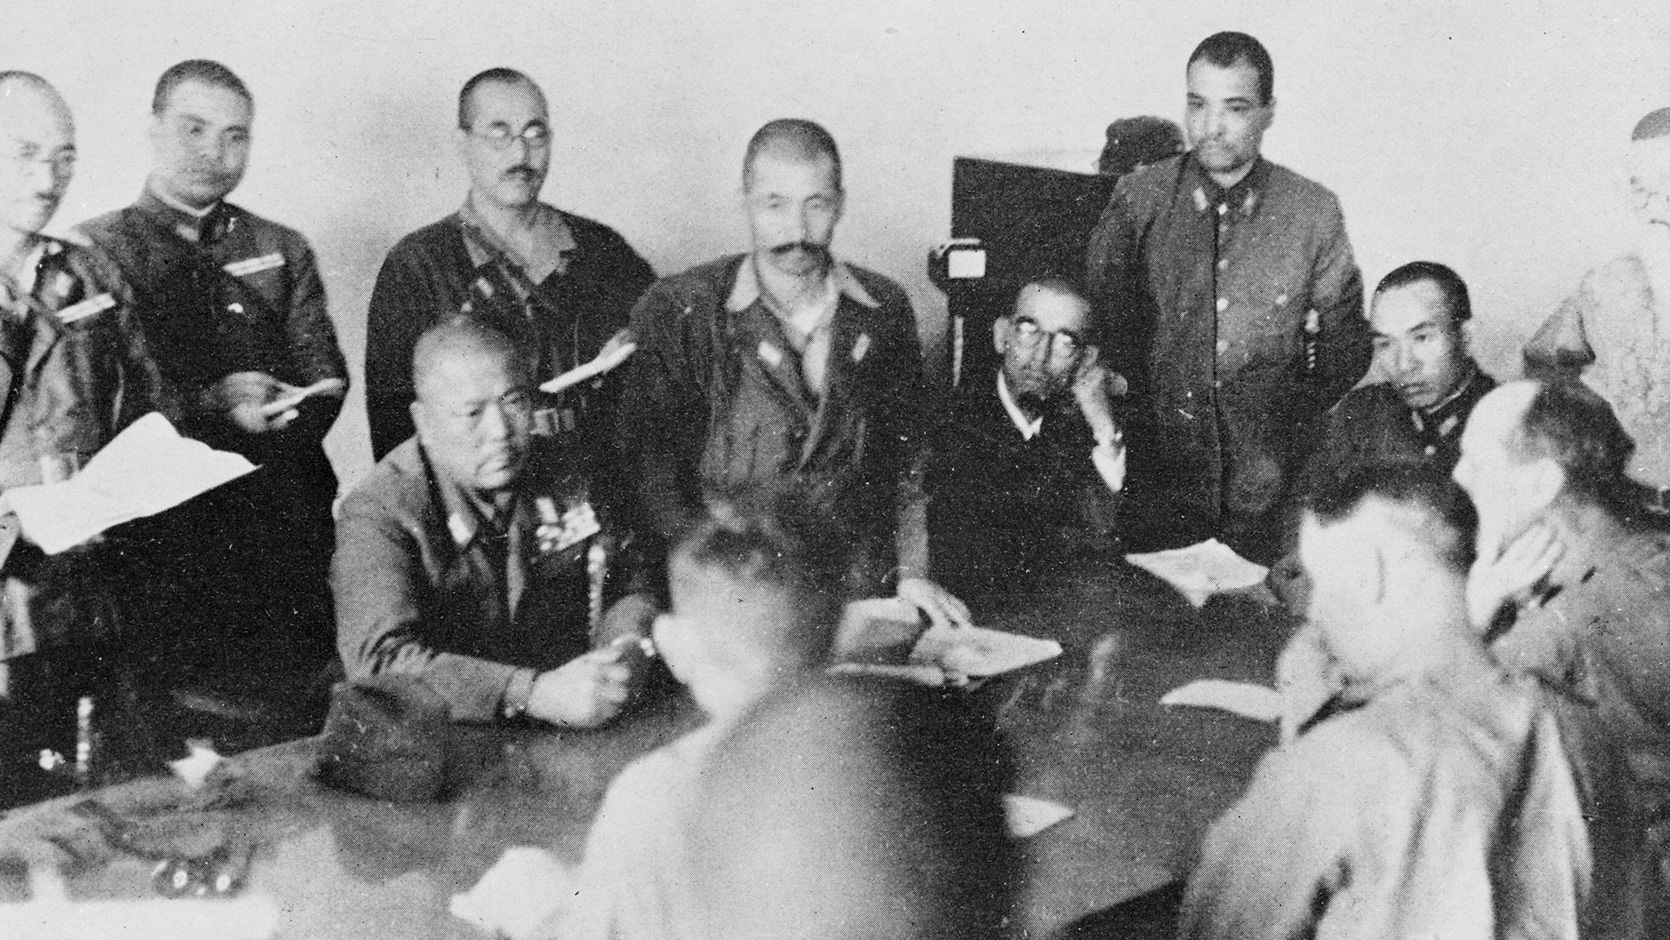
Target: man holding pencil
pixel 235 312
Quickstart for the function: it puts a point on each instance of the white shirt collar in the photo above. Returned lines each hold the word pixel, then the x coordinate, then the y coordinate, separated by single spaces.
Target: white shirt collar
pixel 1029 427
pixel 747 287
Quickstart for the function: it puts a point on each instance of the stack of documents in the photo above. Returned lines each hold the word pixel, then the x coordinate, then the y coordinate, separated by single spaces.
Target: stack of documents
pixel 1202 570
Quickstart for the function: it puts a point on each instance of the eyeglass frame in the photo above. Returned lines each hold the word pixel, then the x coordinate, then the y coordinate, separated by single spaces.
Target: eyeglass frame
pixel 1028 333
pixel 502 141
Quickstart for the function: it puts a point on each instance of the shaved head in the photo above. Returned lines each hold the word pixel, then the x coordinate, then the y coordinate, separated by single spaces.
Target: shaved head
pixel 461 338
pixel 792 139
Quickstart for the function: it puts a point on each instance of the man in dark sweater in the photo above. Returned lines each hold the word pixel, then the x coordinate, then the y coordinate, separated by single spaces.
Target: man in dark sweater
pixel 561 285
pixel 1027 465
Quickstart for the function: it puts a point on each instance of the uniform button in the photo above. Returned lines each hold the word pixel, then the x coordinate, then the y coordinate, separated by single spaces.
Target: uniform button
pixel 1217 383
pixel 1431 450
pixel 1223 346
pixel 1223 304
pixel 1223 264
pixel 234 308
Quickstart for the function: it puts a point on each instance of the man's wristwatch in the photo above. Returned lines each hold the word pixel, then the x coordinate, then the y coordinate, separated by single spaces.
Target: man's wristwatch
pixel 518 692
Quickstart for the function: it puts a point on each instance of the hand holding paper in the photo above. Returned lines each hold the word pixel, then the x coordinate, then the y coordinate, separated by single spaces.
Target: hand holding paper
pixel 614 352
pixel 146 469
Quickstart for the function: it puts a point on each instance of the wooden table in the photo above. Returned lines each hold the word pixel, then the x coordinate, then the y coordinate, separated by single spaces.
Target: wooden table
pixel 1144 781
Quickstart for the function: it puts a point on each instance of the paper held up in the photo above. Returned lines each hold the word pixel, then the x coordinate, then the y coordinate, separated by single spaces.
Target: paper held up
pixel 614 352
pixel 1247 699
pixel 883 636
pixel 1027 816
pixel 279 406
pixel 1202 570
pixel 146 469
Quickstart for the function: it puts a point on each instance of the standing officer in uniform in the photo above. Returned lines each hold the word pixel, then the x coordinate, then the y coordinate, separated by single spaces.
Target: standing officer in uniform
pixel 560 284
pixel 1234 307
pixel 234 309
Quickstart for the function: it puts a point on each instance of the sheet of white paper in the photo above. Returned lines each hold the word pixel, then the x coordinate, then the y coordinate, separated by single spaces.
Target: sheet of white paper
pixel 607 359
pixel 322 387
pixel 977 651
pixel 146 469
pixel 1202 569
pixel 1247 699
pixel 1027 815
pixel 522 890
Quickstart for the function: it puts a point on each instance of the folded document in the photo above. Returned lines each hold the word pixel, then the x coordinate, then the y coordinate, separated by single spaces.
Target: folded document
pixel 1202 570
pixel 940 655
pixel 146 469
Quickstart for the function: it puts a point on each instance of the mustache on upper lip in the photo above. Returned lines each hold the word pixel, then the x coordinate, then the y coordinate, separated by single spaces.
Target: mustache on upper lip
pixel 808 247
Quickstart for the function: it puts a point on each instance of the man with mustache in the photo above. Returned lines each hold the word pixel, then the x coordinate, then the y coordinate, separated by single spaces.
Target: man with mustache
pixel 234 309
pixel 1233 305
pixel 463 558
pixel 75 373
pixel 1026 463
pixel 561 284
pixel 786 361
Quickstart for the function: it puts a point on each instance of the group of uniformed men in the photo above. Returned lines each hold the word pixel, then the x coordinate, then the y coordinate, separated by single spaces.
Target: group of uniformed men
pixel 507 546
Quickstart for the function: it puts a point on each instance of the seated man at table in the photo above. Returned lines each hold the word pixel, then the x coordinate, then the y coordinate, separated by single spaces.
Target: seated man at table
pixel 1428 382
pixel 756 596
pixel 463 557
pixel 858 810
pixel 1435 795
pixel 1028 463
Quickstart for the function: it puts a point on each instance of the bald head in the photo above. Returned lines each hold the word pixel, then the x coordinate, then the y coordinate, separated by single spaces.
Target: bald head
pixel 1655 125
pixel 461 339
pixel 37 132
pixel 474 407
pixel 794 140
pixel 856 810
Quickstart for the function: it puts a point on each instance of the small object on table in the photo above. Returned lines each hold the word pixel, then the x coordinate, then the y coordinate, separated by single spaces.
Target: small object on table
pixel 194 768
pixel 1246 699
pixel 1202 570
pixel 1027 816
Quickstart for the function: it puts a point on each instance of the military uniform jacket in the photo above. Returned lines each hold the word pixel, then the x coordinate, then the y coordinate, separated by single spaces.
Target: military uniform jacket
pixel 243 295
pixel 1373 426
pixel 1238 318
pixel 450 267
pixel 424 586
pixel 716 398
pixel 74 371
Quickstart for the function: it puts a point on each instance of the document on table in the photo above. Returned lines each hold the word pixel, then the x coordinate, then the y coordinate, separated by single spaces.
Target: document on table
pixel 1247 699
pixel 146 469
pixel 940 655
pixel 1027 815
pixel 1202 570
pixel 51 913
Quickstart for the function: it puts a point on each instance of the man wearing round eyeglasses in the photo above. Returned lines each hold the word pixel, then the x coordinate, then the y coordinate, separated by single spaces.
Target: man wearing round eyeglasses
pixel 234 310
pixel 74 372
pixel 560 284
pixel 464 558
pixel 1028 463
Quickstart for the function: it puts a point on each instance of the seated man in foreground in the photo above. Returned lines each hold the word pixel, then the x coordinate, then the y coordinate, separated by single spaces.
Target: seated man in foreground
pixel 756 597
pixel 1434 795
pixel 1028 463
pixel 463 558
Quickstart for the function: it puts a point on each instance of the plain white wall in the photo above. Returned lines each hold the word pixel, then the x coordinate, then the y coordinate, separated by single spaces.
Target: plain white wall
pixel 1488 135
